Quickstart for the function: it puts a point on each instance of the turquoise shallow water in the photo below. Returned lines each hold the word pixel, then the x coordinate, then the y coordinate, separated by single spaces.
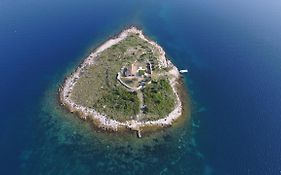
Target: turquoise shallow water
pixel 78 148
pixel 231 48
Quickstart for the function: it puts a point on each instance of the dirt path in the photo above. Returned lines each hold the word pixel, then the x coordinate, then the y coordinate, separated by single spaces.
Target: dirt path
pixel 140 96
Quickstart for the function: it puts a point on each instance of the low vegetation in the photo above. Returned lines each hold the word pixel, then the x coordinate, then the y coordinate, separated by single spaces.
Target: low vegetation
pixel 159 98
pixel 119 104
pixel 98 88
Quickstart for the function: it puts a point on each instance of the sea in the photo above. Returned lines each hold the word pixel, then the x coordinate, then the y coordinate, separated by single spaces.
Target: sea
pixel 232 50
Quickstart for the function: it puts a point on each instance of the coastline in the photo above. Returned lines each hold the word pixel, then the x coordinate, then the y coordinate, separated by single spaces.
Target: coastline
pixel 110 124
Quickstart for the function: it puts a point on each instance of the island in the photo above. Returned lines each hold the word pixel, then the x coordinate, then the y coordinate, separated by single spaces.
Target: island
pixel 126 83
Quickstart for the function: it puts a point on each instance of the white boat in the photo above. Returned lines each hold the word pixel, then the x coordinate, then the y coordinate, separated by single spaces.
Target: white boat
pixel 183 71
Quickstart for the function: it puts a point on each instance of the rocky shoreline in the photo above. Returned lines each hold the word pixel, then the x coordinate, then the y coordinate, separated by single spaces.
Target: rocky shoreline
pixel 102 120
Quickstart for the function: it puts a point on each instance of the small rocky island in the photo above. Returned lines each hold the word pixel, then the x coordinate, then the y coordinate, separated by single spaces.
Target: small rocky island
pixel 127 82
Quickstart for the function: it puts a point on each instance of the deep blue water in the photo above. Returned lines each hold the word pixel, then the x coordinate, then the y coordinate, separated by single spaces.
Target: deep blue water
pixel 231 48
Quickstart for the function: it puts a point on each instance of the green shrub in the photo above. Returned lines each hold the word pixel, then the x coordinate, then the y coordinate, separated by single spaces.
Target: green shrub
pixel 159 98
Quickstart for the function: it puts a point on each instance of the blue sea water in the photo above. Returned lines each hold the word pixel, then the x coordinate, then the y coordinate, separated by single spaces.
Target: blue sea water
pixel 231 48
